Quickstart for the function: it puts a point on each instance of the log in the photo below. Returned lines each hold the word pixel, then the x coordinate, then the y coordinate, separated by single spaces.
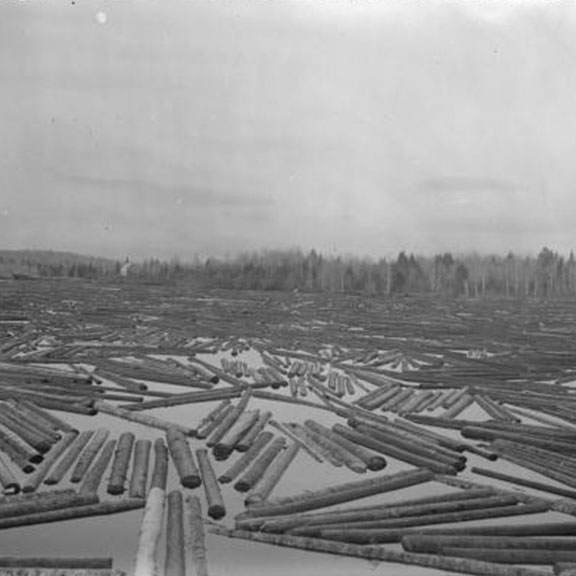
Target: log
pixel 211 416
pixel 307 438
pixel 224 447
pixel 536 556
pixel 47 504
pixel 139 476
pixel 246 441
pixel 524 482
pixel 229 420
pixel 22 455
pixel 160 471
pixel 98 509
pixel 38 424
pixel 272 476
pixel 93 477
pixel 435 544
pixel 90 452
pixel 175 560
pixel 369 531
pixel 122 457
pixel 144 419
pixel 40 443
pixel 8 481
pixel 47 417
pixel 247 458
pixel 366 437
pixel 146 563
pixel 260 465
pixel 196 539
pixel 418 512
pixel 373 461
pixel 207 429
pixel 60 563
pixel 183 460
pixel 216 508
pixel 321 437
pixel 299 521
pixel 186 398
pixel 379 553
pixel 57 473
pixel 340 493
pixel 35 480
pixel 287 431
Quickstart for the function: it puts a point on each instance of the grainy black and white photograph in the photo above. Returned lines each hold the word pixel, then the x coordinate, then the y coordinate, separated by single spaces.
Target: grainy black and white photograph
pixel 287 287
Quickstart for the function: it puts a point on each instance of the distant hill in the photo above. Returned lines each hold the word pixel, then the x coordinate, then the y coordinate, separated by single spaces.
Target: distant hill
pixel 49 263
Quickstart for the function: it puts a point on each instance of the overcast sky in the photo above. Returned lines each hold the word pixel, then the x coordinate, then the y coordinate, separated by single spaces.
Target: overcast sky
pixel 154 128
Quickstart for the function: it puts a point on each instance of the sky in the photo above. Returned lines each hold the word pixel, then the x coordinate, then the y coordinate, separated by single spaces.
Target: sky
pixel 147 128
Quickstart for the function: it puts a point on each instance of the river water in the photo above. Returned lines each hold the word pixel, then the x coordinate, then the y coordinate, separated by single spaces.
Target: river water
pixel 117 536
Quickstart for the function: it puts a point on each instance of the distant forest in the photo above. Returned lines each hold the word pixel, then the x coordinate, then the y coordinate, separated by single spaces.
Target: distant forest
pixel 546 275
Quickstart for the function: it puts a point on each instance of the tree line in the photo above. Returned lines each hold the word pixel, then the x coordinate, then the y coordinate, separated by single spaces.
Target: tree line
pixel 548 274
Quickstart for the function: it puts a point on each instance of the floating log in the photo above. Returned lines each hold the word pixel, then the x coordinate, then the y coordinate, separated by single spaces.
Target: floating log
pixel 35 480
pixel 379 515
pixel 370 532
pixel 247 458
pixel 307 438
pixel 122 456
pixel 273 475
pixel 139 477
pixel 186 398
pixel 21 454
pixel 160 471
pixel 70 513
pixel 211 416
pixel 340 493
pixel 89 454
pixel 145 419
pixel 47 504
pixel 322 437
pixel 207 429
pixel 216 508
pixel 380 553
pixel 458 407
pixel 436 543
pixel 40 443
pixel 183 460
pixel 146 563
pixel 39 424
pixel 290 433
pixel 93 477
pixel 366 437
pixel 121 381
pixel 175 560
pixel 47 417
pixel 59 563
pixel 524 482
pixel 195 540
pixel 229 420
pixel 69 458
pixel 260 465
pixel 372 460
pixel 7 479
pixel 535 556
pixel 302 521
pixel 224 447
pixel 248 439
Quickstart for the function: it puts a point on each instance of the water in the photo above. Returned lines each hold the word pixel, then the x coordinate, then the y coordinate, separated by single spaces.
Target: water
pixel 117 536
